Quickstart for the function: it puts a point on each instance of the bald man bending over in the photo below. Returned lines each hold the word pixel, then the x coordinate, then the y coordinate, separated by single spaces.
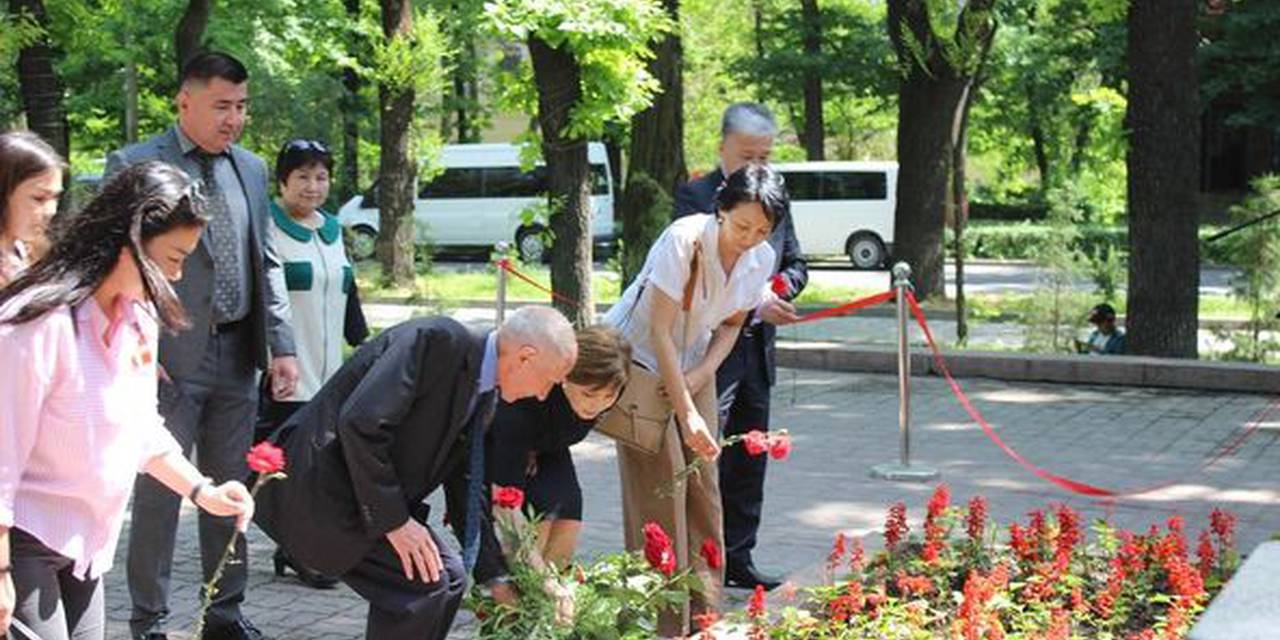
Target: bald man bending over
pixel 404 416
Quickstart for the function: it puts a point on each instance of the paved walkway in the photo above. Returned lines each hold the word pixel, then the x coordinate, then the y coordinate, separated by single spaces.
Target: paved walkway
pixel 843 424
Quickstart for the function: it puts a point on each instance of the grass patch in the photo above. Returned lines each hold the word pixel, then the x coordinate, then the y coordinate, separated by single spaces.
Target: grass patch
pixel 451 287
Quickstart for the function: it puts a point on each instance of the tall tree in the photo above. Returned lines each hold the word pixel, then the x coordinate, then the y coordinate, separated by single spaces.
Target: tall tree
pixel 408 62
pixel 657 152
pixel 349 173
pixel 939 47
pixel 585 77
pixel 188 37
pixel 1164 124
pixel 41 87
pixel 814 133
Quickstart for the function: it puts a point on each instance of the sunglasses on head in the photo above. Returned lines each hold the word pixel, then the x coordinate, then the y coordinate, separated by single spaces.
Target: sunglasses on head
pixel 306 145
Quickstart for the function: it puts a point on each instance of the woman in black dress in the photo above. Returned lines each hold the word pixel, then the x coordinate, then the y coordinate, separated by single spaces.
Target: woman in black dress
pixel 531 439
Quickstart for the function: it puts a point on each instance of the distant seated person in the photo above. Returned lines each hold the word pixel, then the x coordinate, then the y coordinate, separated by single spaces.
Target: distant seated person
pixel 1107 339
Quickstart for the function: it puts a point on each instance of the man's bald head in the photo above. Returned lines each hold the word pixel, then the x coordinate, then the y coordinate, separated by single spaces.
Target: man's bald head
pixel 536 350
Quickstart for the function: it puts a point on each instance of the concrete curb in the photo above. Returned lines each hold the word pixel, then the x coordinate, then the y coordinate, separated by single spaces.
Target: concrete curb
pixel 1131 371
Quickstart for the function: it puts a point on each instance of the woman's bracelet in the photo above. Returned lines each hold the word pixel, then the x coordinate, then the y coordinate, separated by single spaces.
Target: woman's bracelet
pixel 195 491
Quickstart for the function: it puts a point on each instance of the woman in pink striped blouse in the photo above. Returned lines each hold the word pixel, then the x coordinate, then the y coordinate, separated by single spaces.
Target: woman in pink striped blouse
pixel 78 417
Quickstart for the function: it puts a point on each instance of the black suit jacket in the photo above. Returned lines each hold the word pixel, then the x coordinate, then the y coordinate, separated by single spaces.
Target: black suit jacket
pixel 698 196
pixel 383 433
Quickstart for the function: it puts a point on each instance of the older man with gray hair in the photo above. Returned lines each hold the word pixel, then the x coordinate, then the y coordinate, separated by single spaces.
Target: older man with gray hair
pixel 405 415
pixel 743 381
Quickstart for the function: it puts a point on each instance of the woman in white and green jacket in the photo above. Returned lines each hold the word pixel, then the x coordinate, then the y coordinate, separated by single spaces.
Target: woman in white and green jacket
pixel 321 287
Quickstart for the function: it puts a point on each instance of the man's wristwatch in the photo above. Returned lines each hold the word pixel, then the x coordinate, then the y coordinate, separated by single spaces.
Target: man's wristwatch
pixel 195 491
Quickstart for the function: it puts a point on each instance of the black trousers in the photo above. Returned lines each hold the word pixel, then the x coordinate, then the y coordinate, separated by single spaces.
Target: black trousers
pixel 742 384
pixel 401 609
pixel 51 601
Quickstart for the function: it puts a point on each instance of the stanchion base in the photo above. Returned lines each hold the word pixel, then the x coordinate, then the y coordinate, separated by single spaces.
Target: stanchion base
pixel 897 472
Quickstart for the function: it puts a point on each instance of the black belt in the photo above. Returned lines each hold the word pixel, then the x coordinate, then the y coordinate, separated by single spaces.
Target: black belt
pixel 226 327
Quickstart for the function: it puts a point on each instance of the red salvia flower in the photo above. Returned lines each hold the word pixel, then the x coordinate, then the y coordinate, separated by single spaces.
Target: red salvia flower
pixel 705 621
pixel 895 527
pixel 856 555
pixel 1022 543
pixel 1206 554
pixel 508 497
pixel 976 521
pixel 779 446
pixel 755 607
pixel 756 442
pixel 1224 526
pixel 711 554
pixel 657 549
pixel 1068 533
pixel 837 552
pixel 265 458
pixel 909 585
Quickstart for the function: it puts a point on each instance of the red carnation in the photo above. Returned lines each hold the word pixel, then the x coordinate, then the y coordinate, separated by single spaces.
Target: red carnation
pixel 508 497
pixel 756 442
pixel 780 446
pixel 779 285
pixel 711 553
pixel 265 458
pixel 657 549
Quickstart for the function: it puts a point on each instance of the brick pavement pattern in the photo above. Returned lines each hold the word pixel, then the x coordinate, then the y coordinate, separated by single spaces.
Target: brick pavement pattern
pixel 842 425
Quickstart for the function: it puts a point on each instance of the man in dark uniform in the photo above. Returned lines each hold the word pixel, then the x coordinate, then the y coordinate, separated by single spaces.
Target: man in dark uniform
pixel 743 381
pixel 404 416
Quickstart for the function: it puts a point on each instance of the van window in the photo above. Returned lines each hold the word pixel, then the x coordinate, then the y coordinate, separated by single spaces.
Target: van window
pixel 453 183
pixel 370 199
pixel 803 185
pixel 854 185
pixel 599 179
pixel 510 182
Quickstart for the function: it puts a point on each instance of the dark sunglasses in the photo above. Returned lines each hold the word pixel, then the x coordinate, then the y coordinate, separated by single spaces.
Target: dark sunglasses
pixel 306 145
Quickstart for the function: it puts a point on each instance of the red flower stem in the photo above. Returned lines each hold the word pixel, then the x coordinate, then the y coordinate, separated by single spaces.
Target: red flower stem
pixel 210 588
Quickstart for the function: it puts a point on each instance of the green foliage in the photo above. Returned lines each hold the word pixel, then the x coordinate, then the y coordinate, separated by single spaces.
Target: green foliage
pixel 1255 251
pixel 954 38
pixel 1240 62
pixel 1055 311
pixel 608 38
pixel 652 199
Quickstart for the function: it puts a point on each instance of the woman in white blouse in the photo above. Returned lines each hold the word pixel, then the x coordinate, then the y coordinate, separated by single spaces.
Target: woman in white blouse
pixel 682 315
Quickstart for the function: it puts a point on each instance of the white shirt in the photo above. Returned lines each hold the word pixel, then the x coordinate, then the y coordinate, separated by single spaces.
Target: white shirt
pixel 716 297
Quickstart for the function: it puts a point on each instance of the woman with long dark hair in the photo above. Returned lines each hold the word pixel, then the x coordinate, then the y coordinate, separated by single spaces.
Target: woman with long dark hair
pixel 30 185
pixel 78 416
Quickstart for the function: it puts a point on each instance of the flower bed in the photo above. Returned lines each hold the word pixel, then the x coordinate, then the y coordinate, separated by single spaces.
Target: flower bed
pixel 961 577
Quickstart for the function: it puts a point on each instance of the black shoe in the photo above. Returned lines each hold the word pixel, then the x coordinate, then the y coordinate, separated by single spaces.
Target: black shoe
pixel 151 635
pixel 238 629
pixel 746 576
pixel 307 576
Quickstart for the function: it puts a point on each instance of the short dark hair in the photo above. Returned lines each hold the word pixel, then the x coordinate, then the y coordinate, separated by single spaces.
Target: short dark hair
pixel 207 65
pixel 755 182
pixel 604 359
pixel 298 154
pixel 23 155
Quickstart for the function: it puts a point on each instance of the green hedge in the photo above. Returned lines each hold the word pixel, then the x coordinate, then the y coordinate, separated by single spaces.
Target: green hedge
pixel 1026 240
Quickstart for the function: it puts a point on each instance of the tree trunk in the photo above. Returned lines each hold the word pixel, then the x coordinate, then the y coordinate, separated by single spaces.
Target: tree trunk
pixel 188 37
pixel 657 151
pixel 395 245
pixel 814 136
pixel 349 174
pixel 1163 121
pixel 960 205
pixel 557 76
pixel 1039 146
pixel 38 81
pixel 928 99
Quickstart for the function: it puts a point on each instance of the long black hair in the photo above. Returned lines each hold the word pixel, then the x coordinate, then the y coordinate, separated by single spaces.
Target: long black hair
pixel 755 182
pixel 142 202
pixel 23 155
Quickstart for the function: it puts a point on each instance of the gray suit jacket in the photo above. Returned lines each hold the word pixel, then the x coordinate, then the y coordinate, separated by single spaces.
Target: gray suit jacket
pixel 269 302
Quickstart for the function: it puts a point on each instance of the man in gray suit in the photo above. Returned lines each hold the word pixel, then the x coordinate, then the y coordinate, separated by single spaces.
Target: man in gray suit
pixel 233 291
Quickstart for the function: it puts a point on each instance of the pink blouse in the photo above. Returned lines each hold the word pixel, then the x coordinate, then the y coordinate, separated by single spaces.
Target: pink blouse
pixel 78 422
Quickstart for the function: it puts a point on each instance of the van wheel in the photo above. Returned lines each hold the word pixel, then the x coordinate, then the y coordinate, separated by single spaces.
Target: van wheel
pixel 866 251
pixel 362 241
pixel 530 244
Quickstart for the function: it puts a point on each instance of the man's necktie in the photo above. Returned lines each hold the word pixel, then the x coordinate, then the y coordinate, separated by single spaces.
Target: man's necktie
pixel 222 239
pixel 481 416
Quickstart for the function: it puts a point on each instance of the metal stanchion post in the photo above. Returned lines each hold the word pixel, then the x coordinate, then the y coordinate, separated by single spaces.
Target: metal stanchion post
pixel 903 470
pixel 500 305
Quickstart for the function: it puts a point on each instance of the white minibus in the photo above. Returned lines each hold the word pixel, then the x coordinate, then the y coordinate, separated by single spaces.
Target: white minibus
pixel 479 200
pixel 844 208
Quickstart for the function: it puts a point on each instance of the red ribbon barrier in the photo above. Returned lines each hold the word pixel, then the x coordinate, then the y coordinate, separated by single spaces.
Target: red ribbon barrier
pixel 505 265
pixel 848 307
pixel 1064 482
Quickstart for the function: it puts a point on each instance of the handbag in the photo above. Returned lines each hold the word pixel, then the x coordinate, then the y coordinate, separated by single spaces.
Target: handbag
pixel 640 417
